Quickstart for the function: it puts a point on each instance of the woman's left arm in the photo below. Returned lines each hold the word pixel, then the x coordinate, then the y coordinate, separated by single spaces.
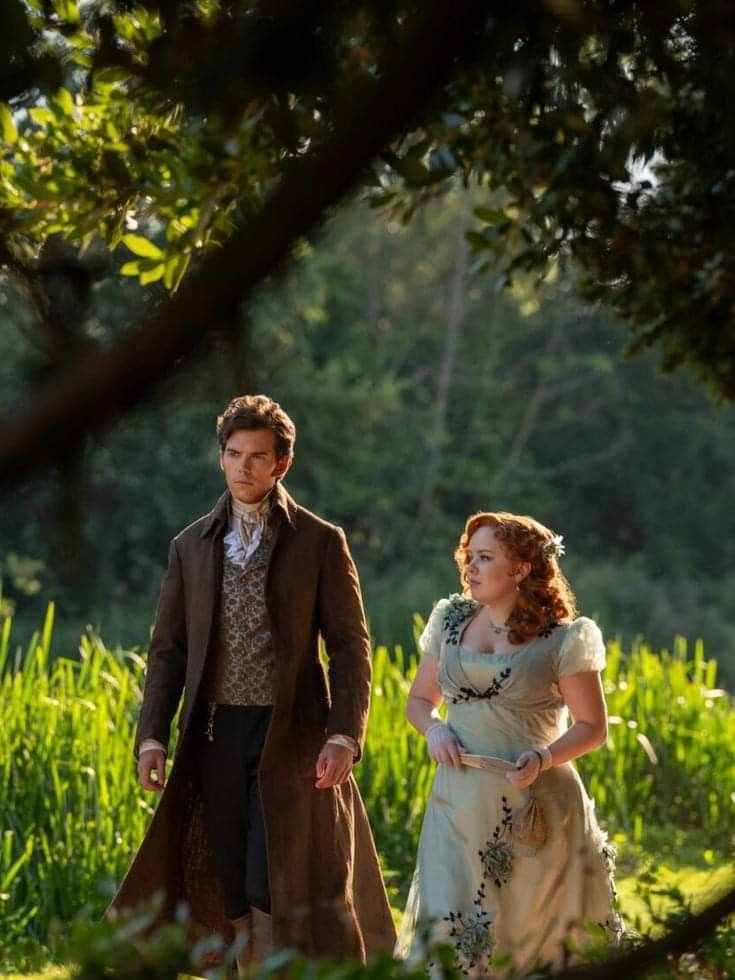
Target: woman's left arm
pixel 583 695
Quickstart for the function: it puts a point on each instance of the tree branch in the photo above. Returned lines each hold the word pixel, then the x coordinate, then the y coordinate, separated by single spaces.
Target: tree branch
pixel 684 938
pixel 372 113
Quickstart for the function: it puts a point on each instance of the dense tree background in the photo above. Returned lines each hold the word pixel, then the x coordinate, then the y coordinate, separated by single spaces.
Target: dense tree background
pixel 193 148
pixel 422 391
pixel 211 134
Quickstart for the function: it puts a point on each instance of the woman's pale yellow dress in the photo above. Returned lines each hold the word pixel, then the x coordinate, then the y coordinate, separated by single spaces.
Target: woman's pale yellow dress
pixel 479 886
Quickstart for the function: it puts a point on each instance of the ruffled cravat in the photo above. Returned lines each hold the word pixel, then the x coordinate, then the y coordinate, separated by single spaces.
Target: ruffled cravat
pixel 247 527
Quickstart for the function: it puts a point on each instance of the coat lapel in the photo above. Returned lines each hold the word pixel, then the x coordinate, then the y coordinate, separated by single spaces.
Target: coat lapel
pixel 209 582
pixel 276 592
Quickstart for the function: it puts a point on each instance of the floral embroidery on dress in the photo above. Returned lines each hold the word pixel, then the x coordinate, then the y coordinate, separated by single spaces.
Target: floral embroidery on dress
pixel 471 934
pixel 549 628
pixel 610 854
pixel 470 694
pixel 459 607
pixel 613 924
pixel 497 858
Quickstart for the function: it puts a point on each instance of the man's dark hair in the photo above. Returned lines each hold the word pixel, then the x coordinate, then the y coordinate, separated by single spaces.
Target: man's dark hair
pixel 257 412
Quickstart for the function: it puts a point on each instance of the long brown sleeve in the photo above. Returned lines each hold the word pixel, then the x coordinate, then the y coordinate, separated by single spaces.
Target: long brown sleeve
pixel 342 625
pixel 166 667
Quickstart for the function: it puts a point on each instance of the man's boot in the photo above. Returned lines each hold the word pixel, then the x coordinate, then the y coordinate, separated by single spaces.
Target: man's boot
pixel 243 944
pixel 262 935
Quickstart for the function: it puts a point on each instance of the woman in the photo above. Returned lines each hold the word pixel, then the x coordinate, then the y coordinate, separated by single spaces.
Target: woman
pixel 511 861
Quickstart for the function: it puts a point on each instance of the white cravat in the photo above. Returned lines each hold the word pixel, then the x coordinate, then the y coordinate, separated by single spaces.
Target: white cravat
pixel 247 527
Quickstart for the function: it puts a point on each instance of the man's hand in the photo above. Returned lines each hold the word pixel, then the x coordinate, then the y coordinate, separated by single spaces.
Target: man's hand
pixel 334 765
pixel 150 761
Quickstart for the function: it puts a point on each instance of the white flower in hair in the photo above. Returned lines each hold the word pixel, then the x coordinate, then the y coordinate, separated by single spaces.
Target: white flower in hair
pixel 554 547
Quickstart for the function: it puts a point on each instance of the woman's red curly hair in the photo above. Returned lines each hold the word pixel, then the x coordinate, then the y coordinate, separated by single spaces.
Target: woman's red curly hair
pixel 545 596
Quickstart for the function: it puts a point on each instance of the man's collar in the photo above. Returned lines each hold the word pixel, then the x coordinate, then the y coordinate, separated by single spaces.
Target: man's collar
pixel 219 516
pixel 283 499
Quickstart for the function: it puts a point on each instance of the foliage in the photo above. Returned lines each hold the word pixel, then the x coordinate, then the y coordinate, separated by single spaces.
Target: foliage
pixel 669 726
pixel 131 947
pixel 102 949
pixel 68 786
pixel 582 124
pixel 22 574
pixel 652 877
pixel 541 417
pixel 65 778
pixel 585 124
pixel 711 959
pixel 116 150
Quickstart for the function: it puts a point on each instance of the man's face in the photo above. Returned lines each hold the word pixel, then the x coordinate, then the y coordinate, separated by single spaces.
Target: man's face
pixel 250 464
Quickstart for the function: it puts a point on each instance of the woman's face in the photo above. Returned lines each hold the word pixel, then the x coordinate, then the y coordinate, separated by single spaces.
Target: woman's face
pixel 489 573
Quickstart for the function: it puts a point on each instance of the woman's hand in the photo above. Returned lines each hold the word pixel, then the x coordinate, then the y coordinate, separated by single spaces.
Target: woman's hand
pixel 528 767
pixel 444 746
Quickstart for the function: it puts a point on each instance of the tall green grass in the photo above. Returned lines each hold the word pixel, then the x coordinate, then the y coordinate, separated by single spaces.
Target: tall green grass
pixel 71 813
pixel 670 757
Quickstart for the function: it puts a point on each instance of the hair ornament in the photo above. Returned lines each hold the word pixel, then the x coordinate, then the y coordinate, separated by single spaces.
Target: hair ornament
pixel 554 547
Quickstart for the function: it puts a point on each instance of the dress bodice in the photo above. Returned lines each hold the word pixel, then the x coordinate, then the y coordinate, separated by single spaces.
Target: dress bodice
pixel 507 700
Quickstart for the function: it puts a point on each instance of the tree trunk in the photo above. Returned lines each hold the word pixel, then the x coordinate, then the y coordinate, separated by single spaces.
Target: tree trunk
pixel 455 316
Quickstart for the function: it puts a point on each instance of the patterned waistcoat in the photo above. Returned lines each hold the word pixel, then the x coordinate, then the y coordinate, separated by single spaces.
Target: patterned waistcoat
pixel 241 669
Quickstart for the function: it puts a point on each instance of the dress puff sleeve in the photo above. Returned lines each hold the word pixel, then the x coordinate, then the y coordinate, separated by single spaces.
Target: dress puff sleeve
pixel 430 640
pixel 582 649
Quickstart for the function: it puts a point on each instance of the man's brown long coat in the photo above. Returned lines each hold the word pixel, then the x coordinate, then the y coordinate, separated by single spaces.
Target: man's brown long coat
pixel 327 893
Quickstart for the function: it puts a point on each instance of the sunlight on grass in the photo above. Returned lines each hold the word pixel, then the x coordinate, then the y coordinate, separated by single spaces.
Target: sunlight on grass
pixel 668 816
pixel 50 973
pixel 701 886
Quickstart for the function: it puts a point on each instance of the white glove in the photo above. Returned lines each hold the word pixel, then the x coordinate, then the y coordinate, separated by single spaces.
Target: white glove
pixel 444 746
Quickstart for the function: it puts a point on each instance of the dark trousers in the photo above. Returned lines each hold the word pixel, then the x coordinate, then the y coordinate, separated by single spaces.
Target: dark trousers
pixel 233 815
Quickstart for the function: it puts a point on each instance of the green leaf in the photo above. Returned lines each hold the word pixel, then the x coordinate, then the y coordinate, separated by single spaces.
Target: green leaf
pixel 169 276
pixel 64 101
pixel 152 275
pixel 412 170
pixel 490 216
pixel 476 239
pixel 130 269
pixel 7 125
pixel 175 269
pixel 41 115
pixel 67 10
pixel 139 245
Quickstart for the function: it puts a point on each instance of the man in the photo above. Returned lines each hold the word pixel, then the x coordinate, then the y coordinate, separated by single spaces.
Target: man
pixel 260 828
